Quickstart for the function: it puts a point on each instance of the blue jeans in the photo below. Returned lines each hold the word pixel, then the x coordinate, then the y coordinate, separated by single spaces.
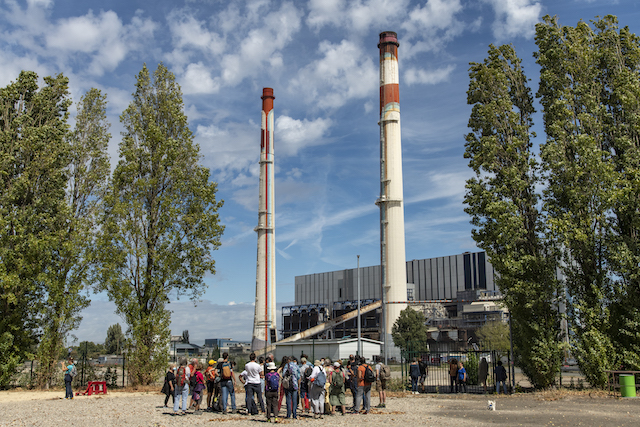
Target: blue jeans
pixel 504 386
pixel 68 393
pixel 292 403
pixel 185 395
pixel 227 389
pixel 414 384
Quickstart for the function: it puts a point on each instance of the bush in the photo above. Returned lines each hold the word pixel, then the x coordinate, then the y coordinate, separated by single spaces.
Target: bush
pixel 472 368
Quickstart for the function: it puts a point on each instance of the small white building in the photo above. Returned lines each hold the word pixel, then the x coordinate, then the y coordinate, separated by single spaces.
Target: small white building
pixel 334 349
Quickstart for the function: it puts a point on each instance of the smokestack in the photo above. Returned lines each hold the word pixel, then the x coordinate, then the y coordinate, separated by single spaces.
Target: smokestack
pixel 264 323
pixel 392 251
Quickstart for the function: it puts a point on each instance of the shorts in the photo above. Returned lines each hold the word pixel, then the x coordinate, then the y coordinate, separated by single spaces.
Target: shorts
pixel 381 384
pixel 210 385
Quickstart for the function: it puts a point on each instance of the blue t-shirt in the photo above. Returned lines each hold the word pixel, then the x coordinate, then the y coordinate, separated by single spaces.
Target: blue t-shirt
pixel 461 373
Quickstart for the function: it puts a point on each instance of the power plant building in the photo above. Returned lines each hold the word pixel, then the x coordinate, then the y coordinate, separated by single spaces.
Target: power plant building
pixel 439 286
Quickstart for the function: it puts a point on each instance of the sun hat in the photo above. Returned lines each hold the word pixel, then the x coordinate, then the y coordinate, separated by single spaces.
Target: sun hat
pixel 212 362
pixel 317 363
pixel 336 365
pixel 303 359
pixel 271 365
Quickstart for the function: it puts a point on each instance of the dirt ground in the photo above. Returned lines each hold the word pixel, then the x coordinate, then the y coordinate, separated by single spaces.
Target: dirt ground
pixel 36 408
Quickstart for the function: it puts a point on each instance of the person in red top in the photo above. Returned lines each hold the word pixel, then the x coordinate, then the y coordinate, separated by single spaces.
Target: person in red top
pixel 364 389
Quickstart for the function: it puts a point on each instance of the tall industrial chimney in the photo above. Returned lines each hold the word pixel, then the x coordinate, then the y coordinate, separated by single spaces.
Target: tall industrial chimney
pixel 264 323
pixel 392 251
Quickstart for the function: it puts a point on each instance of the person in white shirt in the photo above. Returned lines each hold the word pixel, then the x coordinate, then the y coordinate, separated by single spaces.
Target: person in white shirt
pixel 252 382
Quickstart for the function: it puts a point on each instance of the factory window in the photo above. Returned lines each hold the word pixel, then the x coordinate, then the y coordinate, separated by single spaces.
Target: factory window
pixel 339 292
pixel 409 294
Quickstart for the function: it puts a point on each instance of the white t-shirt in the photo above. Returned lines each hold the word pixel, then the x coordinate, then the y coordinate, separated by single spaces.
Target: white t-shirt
pixel 253 373
pixel 378 366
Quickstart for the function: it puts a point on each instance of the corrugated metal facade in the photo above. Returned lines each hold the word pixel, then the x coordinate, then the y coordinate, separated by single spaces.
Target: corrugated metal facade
pixel 433 279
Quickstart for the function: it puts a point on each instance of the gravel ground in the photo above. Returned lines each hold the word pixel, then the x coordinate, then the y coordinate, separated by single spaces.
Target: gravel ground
pixel 145 409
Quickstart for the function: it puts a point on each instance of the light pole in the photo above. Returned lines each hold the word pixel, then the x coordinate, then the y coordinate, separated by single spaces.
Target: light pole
pixel 359 352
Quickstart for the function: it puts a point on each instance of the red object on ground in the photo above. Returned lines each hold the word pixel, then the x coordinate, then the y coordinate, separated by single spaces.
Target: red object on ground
pixel 94 387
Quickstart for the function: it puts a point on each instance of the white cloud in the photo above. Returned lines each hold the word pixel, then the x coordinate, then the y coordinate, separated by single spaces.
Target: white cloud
pixel 515 18
pixel 229 148
pixel 344 72
pixel 40 3
pixel 418 76
pixel 292 135
pixel 355 15
pixel 197 80
pixel 431 26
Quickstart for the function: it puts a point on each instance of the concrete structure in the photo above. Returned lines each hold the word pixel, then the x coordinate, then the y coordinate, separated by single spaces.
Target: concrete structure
pixel 264 324
pixel 392 248
pixel 334 349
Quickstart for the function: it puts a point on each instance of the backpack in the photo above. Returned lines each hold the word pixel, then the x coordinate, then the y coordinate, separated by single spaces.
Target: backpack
pixel 210 373
pixel 321 379
pixel 226 371
pixel 287 384
pixel 385 372
pixel 193 380
pixel 337 379
pixel 308 372
pixel 180 377
pixel 369 376
pixel 272 380
pixel 74 372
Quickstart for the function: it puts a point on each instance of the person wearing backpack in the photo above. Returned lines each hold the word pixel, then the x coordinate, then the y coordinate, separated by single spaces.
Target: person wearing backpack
pixel 183 375
pixel 292 372
pixel 70 371
pixel 337 379
pixel 227 383
pixel 210 377
pixel 317 379
pixel 305 372
pixel 365 378
pixel 271 386
pixel 383 373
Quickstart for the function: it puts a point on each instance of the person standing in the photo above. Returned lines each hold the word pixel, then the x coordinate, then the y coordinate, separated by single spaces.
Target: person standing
pixel 227 383
pixel 210 377
pixel 483 373
pixel 305 372
pixel 183 375
pixel 292 371
pixel 271 387
pixel 337 380
pixel 453 374
pixel 317 381
pixel 501 377
pixel 352 370
pixel 462 377
pixel 414 373
pixel 424 371
pixel 383 373
pixel 252 383
pixel 68 370
pixel 364 387
pixel 168 388
pixel 198 387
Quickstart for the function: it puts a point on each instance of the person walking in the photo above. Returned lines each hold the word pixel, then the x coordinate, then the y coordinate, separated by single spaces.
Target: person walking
pixel 168 388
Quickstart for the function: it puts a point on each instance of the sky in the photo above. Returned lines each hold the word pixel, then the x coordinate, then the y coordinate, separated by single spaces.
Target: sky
pixel 321 59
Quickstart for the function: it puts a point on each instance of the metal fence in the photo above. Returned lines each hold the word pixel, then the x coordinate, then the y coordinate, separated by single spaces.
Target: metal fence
pixel 438 380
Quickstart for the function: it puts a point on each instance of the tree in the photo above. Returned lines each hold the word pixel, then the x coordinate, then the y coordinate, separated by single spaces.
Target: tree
pixel 409 331
pixel 185 336
pixel 69 272
pixel 503 205
pixel 114 343
pixel 591 96
pixel 160 221
pixel 495 336
pixel 33 161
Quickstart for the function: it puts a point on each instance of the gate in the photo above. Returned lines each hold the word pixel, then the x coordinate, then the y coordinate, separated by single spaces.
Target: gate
pixel 437 363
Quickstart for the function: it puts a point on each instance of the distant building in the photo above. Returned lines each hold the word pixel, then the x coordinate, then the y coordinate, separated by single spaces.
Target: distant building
pixel 335 349
pixel 439 287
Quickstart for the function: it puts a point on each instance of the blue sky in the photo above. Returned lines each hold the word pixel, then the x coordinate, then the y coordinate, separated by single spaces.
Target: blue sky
pixel 321 58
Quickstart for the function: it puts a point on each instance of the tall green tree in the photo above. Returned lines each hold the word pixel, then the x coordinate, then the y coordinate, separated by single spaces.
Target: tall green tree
pixel 409 331
pixel 33 178
pixel 590 92
pixel 503 205
pixel 160 223
pixel 73 259
pixel 115 341
pixel 495 336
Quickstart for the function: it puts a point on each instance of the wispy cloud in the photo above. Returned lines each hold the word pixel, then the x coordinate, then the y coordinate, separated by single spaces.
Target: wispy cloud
pixel 515 18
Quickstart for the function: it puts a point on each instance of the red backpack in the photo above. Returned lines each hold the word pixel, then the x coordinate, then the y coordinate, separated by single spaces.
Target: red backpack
pixel 181 377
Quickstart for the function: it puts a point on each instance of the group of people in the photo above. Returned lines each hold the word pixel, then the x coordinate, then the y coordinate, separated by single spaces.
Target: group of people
pixel 318 388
